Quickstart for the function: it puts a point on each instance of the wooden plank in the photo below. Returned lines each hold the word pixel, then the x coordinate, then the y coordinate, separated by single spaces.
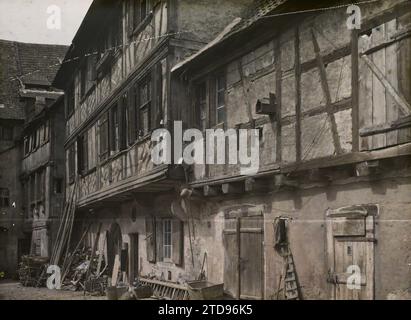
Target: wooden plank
pixel 297 76
pixel 330 255
pixel 326 90
pixel 401 102
pixel 251 258
pixel 386 127
pixel 116 269
pixel 230 263
pixel 278 91
pixel 365 95
pixel 355 90
pixel 348 227
pixel 404 71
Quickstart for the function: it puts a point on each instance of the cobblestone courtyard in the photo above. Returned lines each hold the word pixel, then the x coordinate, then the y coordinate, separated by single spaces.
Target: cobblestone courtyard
pixel 11 290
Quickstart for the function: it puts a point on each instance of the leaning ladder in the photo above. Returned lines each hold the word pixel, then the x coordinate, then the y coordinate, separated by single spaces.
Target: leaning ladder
pixel 291 290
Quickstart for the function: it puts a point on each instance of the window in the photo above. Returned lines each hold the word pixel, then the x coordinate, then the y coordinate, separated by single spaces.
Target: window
pixel 70 101
pixel 71 163
pixel 104 147
pixel 26 145
pixel 40 185
pixel 144 107
pixel 6 133
pixel 201 106
pixel 34 141
pixel 46 131
pixel 114 129
pixel 83 79
pixel 220 100
pixel 167 239
pixel 4 198
pixel 58 185
pixel 82 153
pixel 32 188
pixel 140 12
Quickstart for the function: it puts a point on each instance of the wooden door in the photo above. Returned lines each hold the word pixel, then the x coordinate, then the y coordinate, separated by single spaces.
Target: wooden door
pixel 350 250
pixel 243 261
pixel 134 256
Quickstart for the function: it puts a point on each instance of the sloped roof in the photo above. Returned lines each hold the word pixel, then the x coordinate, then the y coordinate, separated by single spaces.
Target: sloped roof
pixel 34 64
pixel 259 9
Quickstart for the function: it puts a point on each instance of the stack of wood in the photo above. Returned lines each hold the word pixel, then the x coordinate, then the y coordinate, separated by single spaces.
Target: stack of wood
pixel 62 243
pixel 32 270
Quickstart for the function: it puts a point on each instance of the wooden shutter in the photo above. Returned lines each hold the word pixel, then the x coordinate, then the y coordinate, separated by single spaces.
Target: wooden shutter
pixel 151 239
pixel 123 125
pixel 131 107
pixel 157 91
pixel 104 136
pixel 177 242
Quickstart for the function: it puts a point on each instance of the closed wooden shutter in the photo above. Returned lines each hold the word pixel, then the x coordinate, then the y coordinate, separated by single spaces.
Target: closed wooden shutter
pixel 157 83
pixel 151 239
pixel 104 136
pixel 123 116
pixel 177 242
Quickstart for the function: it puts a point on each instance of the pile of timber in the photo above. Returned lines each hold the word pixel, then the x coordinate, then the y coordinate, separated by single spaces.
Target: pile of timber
pixel 62 243
pixel 31 271
pixel 83 270
pixel 77 276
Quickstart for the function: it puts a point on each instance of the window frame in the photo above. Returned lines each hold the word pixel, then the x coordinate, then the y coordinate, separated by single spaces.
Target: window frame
pixel 144 107
pixel 201 106
pixel 70 100
pixel 114 129
pixel 138 14
pixel 104 124
pixel 71 163
pixel 167 238
pixel 4 198
pixel 218 106
pixel 82 154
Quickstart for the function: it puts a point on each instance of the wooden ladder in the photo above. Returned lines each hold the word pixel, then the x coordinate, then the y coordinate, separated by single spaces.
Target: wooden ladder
pixel 290 279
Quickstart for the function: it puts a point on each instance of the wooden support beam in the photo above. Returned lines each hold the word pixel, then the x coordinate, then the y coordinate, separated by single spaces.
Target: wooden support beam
pixel 256 185
pixel 398 98
pixel 326 89
pixel 355 96
pixel 367 168
pixel 318 175
pixel 386 127
pixel 232 188
pixel 282 180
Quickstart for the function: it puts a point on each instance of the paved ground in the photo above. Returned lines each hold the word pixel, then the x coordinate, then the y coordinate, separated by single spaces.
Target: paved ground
pixel 11 290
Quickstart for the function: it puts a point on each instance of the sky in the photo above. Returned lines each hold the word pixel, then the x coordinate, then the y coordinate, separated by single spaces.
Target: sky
pixel 30 20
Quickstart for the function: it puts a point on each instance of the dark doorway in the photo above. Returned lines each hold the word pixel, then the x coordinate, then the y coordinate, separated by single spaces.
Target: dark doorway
pixel 114 245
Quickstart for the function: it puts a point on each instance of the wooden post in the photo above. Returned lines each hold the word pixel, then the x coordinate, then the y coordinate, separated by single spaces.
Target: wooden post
pixel 355 91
